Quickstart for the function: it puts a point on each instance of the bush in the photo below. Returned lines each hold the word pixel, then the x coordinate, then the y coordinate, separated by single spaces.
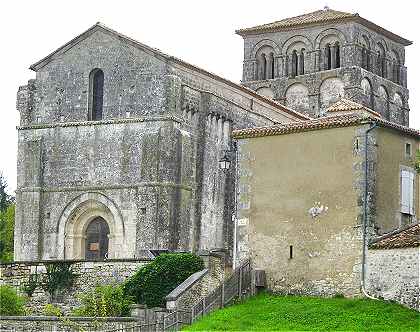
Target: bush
pixel 59 277
pixel 7 226
pixel 52 310
pixel 152 282
pixel 11 304
pixel 104 301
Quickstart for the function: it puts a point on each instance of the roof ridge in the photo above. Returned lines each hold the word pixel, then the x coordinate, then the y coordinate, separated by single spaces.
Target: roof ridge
pixel 336 121
pixel 319 17
pixel 289 21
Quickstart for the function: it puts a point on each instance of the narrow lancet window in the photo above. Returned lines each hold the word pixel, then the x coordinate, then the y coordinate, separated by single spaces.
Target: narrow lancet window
pixel 96 94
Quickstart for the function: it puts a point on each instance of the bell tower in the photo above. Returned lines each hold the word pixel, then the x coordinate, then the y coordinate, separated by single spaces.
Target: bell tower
pixel 310 61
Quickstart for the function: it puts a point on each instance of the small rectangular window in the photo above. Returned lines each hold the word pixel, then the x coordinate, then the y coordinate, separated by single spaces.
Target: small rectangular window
pixel 407 150
pixel 291 252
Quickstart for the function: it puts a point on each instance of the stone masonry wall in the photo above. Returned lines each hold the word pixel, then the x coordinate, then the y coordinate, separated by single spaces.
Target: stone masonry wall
pixel 88 275
pixel 393 274
pixel 149 168
pixel 46 324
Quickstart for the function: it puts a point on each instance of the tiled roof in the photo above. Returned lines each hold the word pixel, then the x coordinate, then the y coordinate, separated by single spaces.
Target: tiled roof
pixel 325 15
pixel 345 105
pixel 344 120
pixel 99 26
pixel 319 16
pixel 402 238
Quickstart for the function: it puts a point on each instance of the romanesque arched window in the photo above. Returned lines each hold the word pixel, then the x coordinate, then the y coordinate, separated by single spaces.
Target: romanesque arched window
pixel 365 52
pixel 97 241
pixel 336 49
pixel 294 63
pixel 327 57
pixel 395 67
pixel 381 61
pixel 96 94
pixel 302 62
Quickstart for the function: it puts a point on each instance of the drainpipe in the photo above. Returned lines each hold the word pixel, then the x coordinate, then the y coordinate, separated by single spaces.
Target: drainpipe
pixel 235 217
pixel 373 125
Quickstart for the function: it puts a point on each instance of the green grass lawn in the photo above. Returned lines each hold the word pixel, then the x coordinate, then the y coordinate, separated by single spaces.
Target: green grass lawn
pixel 266 312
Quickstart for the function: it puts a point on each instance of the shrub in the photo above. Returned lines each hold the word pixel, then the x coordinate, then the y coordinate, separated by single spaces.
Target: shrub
pixel 104 301
pixel 7 226
pixel 152 282
pixel 52 310
pixel 29 286
pixel 59 277
pixel 11 304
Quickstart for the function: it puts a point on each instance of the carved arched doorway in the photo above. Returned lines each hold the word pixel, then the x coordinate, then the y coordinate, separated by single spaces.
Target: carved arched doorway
pixel 97 239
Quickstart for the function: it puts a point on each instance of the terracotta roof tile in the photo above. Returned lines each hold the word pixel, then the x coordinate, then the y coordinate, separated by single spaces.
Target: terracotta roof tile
pixel 345 105
pixel 319 16
pixel 344 120
pixel 325 15
pixel 402 238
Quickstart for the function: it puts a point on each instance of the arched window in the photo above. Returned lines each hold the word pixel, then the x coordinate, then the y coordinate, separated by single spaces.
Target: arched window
pixel 381 64
pixel 395 67
pixel 265 63
pixel 264 66
pixel 302 62
pixel 294 63
pixel 327 57
pixel 96 94
pixel 97 241
pixel 337 55
pixel 365 58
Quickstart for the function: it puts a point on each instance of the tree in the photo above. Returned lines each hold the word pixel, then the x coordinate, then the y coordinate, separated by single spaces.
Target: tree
pixel 5 199
pixel 7 222
pixel 7 227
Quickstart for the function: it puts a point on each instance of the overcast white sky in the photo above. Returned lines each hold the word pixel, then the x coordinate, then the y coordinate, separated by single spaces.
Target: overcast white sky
pixel 199 32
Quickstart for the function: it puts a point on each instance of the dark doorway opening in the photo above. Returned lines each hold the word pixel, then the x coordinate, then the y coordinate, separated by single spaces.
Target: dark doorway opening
pixel 97 240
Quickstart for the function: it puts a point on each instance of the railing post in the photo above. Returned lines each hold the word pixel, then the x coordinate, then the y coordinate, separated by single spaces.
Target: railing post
pixel 223 294
pixel 176 319
pixel 204 306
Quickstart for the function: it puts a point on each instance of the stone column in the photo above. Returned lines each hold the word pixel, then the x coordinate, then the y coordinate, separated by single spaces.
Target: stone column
pixel 268 74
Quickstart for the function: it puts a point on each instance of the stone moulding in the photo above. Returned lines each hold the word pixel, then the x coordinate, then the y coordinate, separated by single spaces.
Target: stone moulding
pixel 92 188
pixel 102 122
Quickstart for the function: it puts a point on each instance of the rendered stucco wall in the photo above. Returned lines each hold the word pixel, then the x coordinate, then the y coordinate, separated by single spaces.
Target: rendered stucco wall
pixel 300 190
pixel 391 158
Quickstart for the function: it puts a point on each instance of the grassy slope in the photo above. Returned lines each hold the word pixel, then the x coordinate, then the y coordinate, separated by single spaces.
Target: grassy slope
pixel 295 313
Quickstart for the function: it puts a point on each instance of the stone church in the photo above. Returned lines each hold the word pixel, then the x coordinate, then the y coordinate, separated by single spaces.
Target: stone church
pixel 119 144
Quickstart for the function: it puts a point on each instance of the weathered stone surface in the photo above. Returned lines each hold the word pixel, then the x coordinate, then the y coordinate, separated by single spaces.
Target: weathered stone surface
pixel 149 168
pixel 356 44
pixel 36 324
pixel 393 274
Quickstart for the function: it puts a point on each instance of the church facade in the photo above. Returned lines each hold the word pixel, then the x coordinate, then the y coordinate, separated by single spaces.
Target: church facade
pixel 119 146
